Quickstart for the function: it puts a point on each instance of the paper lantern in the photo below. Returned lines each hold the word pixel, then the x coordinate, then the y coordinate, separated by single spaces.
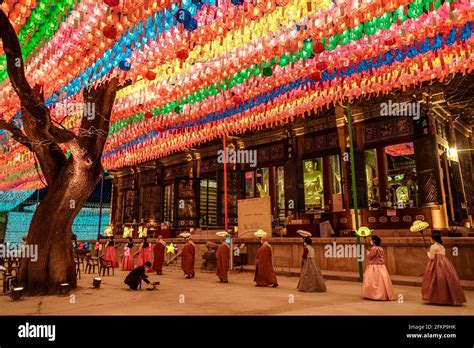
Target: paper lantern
pixel 321 66
pixel 237 2
pixel 318 47
pixel 292 45
pixel 260 233
pixel 112 3
pixel 150 75
pixel 304 234
pixel 148 115
pixel 191 25
pixel 267 71
pixel 108 231
pixel 183 16
pixel 124 65
pixel 419 226
pixel 110 32
pixel 390 42
pixel 182 54
pixel 315 76
pixel 236 99
pixel 363 231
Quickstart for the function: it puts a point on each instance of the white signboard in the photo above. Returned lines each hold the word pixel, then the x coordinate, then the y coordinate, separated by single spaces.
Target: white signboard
pixel 254 214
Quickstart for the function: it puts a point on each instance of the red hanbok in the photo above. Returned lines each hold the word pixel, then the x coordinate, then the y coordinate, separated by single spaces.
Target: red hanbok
pixel 144 255
pixel 111 254
pixel 127 258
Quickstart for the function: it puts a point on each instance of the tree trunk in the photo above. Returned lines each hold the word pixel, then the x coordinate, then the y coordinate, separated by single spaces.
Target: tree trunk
pixel 51 230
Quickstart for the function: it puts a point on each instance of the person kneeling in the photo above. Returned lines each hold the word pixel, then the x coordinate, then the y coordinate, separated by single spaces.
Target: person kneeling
pixel 137 275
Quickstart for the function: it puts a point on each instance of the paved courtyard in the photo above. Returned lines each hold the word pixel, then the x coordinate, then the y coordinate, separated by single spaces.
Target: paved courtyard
pixel 204 295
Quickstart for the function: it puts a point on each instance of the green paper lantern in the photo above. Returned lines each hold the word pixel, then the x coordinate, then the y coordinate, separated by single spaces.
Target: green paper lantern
pixel 370 28
pixel 256 70
pixel 178 109
pixel 267 71
pixel 304 54
pixel 344 38
pixel 284 60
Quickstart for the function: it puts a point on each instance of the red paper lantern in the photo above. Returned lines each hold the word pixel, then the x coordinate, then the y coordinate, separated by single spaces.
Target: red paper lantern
pixel 315 76
pixel 321 66
pixel 390 42
pixel 150 75
pixel 112 3
pixel 318 47
pixel 110 32
pixel 182 54
pixel 148 115
pixel 236 99
pixel 292 45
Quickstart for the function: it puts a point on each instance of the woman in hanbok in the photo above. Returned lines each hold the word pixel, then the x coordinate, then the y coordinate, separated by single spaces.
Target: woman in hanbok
pixel 127 258
pixel 377 284
pixel 311 279
pixel 110 252
pixel 441 283
pixel 144 254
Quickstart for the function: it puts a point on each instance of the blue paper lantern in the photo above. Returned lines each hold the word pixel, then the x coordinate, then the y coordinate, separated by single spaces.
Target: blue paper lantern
pixel 183 16
pixel 198 3
pixel 237 2
pixel 191 25
pixel 124 65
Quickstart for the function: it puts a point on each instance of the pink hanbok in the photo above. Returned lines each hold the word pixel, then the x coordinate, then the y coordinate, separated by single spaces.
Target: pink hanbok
pixel 441 283
pixel 377 284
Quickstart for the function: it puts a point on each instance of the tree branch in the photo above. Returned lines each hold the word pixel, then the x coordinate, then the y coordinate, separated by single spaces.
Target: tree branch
pixel 94 130
pixel 30 98
pixel 50 156
pixel 17 133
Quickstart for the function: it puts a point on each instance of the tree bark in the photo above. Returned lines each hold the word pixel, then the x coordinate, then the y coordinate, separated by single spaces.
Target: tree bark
pixel 51 230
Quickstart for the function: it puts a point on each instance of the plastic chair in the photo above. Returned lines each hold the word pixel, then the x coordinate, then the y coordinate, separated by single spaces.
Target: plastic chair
pixel 105 265
pixel 91 263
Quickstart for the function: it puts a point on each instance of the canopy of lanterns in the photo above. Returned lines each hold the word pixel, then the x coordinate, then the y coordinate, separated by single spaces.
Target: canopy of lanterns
pixel 204 68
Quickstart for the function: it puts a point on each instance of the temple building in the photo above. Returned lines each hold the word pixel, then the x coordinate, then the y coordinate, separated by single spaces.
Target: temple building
pixel 412 154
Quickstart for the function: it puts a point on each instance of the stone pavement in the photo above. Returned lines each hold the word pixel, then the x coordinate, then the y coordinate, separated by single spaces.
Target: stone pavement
pixel 354 276
pixel 204 295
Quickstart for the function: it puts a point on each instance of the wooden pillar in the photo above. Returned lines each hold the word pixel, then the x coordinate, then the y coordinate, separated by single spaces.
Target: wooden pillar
pixel 342 139
pixel 294 184
pixel 327 184
pixel 428 173
pixel 382 173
